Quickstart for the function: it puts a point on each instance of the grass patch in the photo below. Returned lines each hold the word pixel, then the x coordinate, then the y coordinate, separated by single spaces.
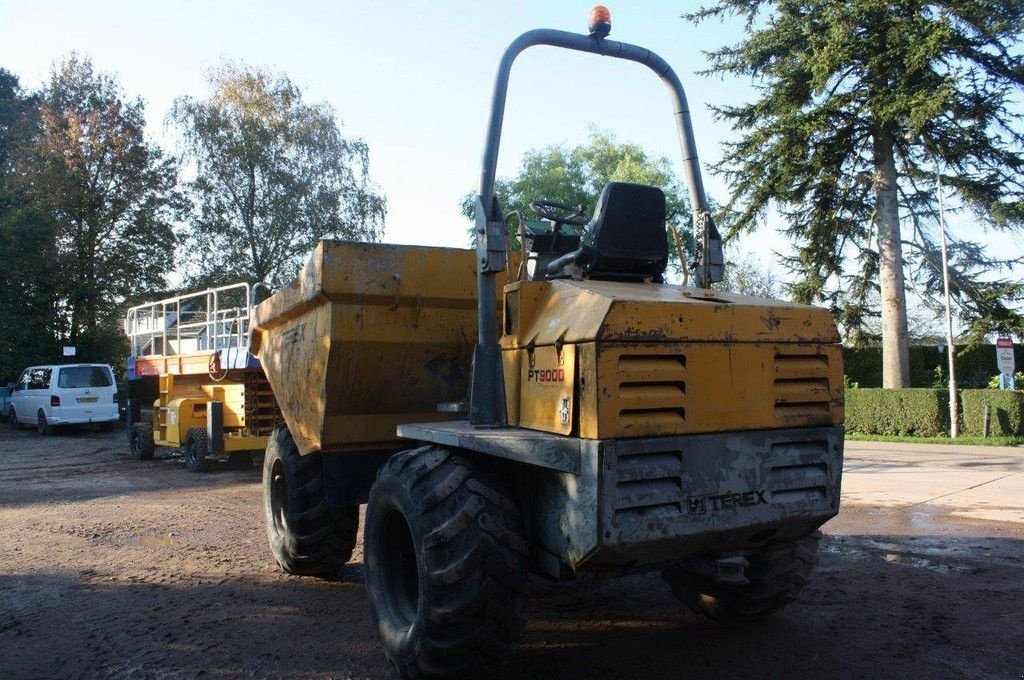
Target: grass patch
pixel 959 441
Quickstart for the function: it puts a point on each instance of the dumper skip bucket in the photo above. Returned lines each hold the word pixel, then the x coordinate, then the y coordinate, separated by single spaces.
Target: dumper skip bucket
pixel 368 336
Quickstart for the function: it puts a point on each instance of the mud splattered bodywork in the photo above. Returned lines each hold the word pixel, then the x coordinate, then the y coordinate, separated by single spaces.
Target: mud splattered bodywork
pixel 686 422
pixel 634 360
pixel 656 422
pixel 368 336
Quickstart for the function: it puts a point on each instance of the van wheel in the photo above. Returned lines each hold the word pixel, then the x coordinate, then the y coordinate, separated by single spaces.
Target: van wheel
pixel 446 565
pixel 42 425
pixel 776 574
pixel 197 447
pixel 141 442
pixel 307 536
pixel 12 418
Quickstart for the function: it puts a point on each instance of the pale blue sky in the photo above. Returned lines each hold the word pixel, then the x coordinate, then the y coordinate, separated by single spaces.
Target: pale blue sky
pixel 411 77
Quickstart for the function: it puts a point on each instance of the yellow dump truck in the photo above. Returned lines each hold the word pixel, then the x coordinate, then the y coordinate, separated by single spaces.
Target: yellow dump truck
pixel 615 423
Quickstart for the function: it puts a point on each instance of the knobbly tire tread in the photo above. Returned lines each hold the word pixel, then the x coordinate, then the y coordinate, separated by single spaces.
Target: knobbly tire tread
pixel 777 575
pixel 471 558
pixel 197 439
pixel 316 539
pixel 146 448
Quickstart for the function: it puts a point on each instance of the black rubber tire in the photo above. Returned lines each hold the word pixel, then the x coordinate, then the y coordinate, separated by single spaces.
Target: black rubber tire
pixel 12 419
pixel 446 565
pixel 141 444
pixel 777 575
pixel 197 447
pixel 307 536
pixel 43 426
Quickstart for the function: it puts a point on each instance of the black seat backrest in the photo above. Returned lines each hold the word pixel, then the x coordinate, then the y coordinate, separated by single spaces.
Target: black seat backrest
pixel 627 234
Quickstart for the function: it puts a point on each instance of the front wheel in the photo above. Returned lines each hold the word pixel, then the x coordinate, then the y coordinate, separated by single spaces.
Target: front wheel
pixel 12 419
pixel 141 443
pixel 776 574
pixel 307 536
pixel 197 448
pixel 446 565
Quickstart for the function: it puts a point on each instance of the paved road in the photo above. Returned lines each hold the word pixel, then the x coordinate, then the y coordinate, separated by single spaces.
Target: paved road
pixel 115 568
pixel 910 480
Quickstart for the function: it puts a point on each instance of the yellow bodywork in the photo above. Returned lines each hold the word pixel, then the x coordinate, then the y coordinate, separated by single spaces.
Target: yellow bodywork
pixel 607 360
pixel 182 406
pixel 372 336
pixel 369 336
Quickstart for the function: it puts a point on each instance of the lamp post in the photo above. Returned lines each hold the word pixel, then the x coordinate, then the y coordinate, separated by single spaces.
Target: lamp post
pixel 954 423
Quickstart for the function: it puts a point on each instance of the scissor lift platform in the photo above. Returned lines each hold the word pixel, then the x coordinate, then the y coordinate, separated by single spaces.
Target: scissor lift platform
pixel 213 398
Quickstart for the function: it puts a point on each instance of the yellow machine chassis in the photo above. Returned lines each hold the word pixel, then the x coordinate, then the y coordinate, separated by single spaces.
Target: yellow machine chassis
pixel 182 405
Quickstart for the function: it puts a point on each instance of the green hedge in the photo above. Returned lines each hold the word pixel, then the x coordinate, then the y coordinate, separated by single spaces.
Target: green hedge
pixel 974 366
pixel 908 412
pixel 1006 411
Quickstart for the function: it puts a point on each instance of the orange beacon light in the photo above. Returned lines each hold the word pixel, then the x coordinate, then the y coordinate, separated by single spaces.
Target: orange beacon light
pixel 600 21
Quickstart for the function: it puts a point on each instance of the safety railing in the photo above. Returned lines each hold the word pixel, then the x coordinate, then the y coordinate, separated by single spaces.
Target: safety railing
pixel 207 321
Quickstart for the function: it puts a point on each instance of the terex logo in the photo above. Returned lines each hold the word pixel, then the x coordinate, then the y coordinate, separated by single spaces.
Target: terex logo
pixel 699 505
pixel 546 375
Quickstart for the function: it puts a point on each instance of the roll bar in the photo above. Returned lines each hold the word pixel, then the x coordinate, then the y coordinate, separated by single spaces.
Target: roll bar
pixel 487 400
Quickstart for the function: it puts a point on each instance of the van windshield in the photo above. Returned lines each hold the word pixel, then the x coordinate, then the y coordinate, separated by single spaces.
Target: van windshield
pixel 84 376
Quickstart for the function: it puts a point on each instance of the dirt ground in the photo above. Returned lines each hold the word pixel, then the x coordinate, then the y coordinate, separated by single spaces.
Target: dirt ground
pixel 115 568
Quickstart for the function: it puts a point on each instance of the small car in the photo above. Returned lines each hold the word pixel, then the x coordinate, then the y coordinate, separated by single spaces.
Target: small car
pixel 67 394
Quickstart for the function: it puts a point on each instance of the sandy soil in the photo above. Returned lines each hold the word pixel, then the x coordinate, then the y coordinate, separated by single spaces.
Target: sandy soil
pixel 115 568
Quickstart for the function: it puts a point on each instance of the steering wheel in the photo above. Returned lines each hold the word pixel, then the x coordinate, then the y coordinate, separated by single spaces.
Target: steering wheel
pixel 559 213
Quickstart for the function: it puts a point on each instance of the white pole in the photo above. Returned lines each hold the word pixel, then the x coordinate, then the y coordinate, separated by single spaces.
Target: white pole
pixel 954 424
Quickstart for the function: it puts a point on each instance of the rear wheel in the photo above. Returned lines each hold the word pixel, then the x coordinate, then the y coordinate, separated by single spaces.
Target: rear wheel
pixel 776 574
pixel 12 419
pixel 141 442
pixel 197 448
pixel 307 536
pixel 446 565
pixel 42 424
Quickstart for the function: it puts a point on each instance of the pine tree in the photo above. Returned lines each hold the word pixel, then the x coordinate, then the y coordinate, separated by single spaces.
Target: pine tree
pixel 860 104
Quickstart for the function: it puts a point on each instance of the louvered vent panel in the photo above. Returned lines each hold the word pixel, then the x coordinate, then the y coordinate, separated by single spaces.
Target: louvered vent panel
pixel 801 388
pixel 795 483
pixel 649 485
pixel 651 389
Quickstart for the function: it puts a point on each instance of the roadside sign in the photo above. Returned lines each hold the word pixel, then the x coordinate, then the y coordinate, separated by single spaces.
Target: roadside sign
pixel 69 351
pixel 1004 356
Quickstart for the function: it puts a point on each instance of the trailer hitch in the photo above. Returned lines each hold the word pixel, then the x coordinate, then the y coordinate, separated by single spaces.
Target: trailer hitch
pixel 728 570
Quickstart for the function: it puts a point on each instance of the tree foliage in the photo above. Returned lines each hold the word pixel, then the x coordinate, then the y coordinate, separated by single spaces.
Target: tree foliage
pixel 273 175
pixel 860 103
pixel 576 175
pixel 88 213
pixel 26 237
pixel 748 276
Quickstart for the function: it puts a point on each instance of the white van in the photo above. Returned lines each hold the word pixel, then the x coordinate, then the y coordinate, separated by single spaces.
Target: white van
pixel 69 394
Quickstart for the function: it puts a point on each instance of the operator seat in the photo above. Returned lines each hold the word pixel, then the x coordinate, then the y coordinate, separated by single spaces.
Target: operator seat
pixel 627 239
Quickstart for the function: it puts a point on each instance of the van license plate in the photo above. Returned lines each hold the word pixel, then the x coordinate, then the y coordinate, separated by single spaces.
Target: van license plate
pixel 87 400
